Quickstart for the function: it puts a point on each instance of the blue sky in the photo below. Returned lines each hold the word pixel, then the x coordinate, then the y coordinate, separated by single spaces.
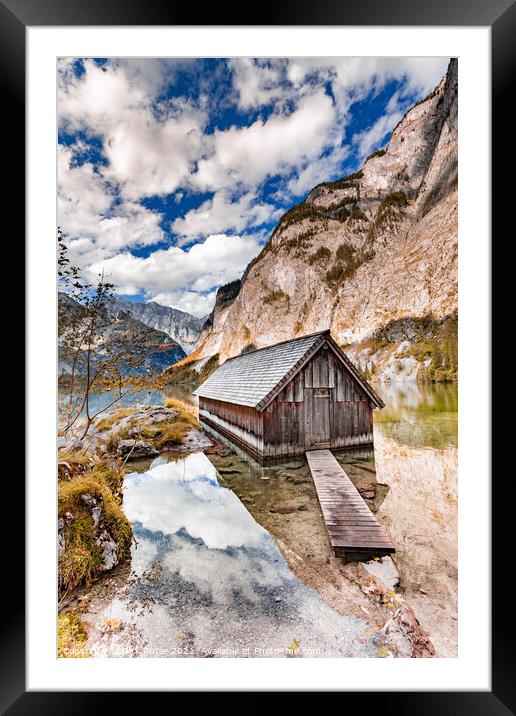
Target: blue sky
pixel 172 173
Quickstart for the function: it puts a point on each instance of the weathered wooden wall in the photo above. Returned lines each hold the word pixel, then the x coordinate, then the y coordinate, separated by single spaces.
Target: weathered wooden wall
pixel 322 406
pixel 239 421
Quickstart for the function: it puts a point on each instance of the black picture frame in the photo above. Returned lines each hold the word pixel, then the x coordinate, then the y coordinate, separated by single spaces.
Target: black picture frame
pixel 15 17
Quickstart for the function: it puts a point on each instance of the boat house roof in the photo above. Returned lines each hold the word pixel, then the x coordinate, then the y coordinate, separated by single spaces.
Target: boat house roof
pixel 256 377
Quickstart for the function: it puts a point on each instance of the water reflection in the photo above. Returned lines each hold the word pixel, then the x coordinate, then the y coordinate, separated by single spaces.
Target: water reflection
pixel 419 414
pixel 207 579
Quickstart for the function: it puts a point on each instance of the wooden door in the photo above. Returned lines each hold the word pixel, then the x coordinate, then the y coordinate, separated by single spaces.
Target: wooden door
pixel 317 417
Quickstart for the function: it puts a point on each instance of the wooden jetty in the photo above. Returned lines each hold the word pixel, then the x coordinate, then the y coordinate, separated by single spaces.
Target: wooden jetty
pixel 352 527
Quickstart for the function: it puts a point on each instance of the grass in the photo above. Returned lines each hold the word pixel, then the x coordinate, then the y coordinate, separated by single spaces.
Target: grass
pixel 114 417
pixel 186 411
pixel 76 464
pixel 185 373
pixel 81 561
pixel 71 637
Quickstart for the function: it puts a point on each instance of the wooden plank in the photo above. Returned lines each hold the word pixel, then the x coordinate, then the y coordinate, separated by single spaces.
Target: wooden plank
pixel 350 523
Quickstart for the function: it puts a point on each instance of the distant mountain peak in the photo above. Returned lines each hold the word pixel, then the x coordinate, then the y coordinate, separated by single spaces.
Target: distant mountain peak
pixel 179 325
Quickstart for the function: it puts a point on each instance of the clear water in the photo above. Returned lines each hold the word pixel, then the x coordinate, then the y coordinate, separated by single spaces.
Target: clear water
pixel 207 580
pixel 419 415
pixel 206 577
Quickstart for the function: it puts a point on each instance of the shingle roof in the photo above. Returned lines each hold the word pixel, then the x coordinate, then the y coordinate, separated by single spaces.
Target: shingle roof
pixel 249 378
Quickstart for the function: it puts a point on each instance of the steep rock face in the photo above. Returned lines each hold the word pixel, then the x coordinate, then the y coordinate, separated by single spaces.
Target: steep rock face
pixel 213 329
pixel 182 327
pixel 362 253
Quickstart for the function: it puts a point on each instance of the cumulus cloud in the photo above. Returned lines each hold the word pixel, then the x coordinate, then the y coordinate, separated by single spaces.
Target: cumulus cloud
pixel 257 82
pixel 220 214
pixel 198 304
pixel 89 213
pixel 197 270
pixel 150 147
pixel 248 155
pixel 371 139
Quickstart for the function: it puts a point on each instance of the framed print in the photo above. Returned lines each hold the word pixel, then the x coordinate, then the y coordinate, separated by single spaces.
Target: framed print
pixel 258 365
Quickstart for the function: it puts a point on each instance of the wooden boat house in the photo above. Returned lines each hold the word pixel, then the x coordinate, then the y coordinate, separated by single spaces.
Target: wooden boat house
pixel 290 397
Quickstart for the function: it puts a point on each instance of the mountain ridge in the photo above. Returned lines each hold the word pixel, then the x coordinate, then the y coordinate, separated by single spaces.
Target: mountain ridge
pixel 161 350
pixel 181 326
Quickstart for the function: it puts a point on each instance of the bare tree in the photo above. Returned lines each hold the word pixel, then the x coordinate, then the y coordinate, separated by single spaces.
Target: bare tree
pixel 102 351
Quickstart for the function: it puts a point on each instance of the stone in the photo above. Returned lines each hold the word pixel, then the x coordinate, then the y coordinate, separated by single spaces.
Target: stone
pixel 377 578
pixel 88 500
pixel 195 441
pixel 96 513
pixel 367 489
pixel 384 571
pixel 60 544
pixel 404 632
pixel 288 506
pixel 136 448
pixel 109 554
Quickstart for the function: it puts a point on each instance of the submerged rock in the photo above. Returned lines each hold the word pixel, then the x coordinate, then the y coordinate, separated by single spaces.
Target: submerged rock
pixel 136 448
pixel 287 506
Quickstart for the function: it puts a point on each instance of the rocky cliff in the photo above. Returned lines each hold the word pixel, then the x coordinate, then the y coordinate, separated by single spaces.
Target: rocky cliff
pixel 372 256
pixel 182 327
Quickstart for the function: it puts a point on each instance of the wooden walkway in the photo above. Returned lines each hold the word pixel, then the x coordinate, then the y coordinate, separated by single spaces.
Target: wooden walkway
pixel 351 525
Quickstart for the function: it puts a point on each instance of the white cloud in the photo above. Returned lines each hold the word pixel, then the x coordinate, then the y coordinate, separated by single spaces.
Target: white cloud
pixel 89 214
pixel 176 272
pixel 150 148
pixel 248 155
pixel 220 214
pixel 156 147
pixel 198 304
pixel 257 82
pixel 370 139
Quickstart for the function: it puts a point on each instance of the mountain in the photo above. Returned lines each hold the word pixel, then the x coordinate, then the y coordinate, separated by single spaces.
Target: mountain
pixel 182 327
pixel 372 256
pixel 160 350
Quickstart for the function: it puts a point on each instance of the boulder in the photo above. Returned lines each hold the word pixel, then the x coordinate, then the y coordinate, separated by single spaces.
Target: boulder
pixel 135 448
pixel 377 578
pixel 367 489
pixel 383 570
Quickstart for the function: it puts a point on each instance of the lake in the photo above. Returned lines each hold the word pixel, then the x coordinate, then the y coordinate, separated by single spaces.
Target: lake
pixel 215 569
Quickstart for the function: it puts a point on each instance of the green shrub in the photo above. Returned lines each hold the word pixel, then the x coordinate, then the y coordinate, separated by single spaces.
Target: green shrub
pixel 378 153
pixel 345 252
pixel 322 254
pixel 357 214
pixel 276 295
